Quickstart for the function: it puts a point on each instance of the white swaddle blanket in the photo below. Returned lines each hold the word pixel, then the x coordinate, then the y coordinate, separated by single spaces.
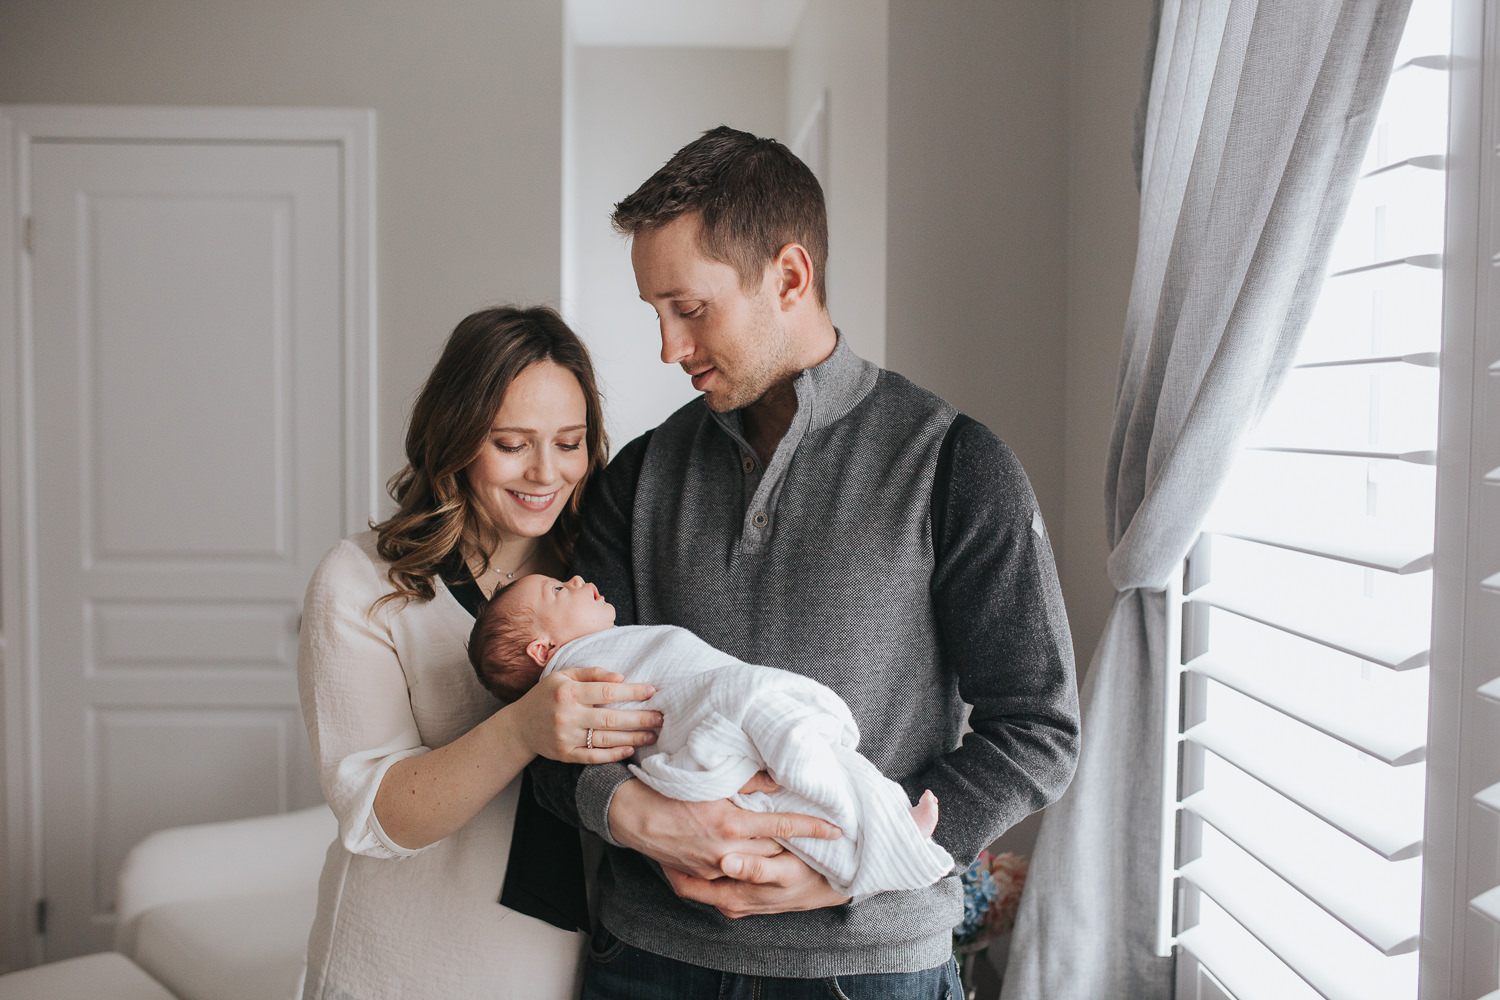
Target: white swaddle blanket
pixel 725 719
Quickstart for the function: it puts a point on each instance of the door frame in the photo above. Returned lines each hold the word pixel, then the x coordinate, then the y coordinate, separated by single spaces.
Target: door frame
pixel 353 132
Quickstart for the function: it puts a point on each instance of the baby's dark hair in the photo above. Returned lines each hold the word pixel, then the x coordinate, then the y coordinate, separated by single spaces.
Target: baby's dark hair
pixel 497 646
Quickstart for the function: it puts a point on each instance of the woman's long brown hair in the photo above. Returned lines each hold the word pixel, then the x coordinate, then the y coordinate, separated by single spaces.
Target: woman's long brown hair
pixel 436 510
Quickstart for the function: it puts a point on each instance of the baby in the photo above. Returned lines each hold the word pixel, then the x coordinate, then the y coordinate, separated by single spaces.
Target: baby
pixel 724 721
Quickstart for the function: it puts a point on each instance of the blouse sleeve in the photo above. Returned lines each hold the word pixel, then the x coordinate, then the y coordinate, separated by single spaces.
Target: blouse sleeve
pixel 354 695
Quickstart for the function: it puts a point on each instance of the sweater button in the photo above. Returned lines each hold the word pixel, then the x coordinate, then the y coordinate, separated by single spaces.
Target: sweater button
pixel 760 520
pixel 749 464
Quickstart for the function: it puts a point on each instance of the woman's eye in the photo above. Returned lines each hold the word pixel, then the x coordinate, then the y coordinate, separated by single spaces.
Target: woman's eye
pixel 509 449
pixel 557 589
pixel 570 446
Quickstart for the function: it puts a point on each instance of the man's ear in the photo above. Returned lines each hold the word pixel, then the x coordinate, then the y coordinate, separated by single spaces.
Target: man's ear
pixel 794 275
pixel 540 651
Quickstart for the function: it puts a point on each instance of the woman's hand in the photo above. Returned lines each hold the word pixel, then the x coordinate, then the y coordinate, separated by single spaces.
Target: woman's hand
pixel 425 798
pixel 553 719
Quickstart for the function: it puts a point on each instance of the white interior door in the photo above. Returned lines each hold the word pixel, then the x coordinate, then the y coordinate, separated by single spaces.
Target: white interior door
pixel 190 437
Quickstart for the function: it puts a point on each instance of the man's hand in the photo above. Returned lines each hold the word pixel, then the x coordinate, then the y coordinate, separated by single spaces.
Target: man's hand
pixel 696 838
pixel 756 884
pixel 776 884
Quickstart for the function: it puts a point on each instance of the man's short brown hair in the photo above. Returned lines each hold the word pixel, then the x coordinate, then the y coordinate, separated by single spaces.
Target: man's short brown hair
pixel 753 195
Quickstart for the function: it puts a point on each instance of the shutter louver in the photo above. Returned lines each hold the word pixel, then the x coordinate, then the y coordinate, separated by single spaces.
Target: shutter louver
pixel 1379 808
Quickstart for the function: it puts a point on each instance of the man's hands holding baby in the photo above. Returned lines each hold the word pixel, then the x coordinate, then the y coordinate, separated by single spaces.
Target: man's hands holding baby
pixel 562 717
pixel 719 854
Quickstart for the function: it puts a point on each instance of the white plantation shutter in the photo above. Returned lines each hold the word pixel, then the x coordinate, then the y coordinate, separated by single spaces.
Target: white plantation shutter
pixel 1298 771
pixel 1461 890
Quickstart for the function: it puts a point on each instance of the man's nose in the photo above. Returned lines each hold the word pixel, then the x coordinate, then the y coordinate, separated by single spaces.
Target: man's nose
pixel 676 345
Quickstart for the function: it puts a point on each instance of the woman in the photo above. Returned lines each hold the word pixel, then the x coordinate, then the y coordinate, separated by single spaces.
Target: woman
pixel 414 758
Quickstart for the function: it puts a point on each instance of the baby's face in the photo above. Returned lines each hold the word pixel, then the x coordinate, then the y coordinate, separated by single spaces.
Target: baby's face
pixel 563 611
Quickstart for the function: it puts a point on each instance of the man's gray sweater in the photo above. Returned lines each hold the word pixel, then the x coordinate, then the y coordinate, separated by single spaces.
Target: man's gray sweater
pixel 894 553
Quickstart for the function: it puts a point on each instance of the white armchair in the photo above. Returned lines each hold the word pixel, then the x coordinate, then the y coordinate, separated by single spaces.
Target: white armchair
pixel 221 911
pixel 217 911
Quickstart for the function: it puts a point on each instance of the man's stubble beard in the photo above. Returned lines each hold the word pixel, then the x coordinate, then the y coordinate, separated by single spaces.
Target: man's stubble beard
pixel 772 363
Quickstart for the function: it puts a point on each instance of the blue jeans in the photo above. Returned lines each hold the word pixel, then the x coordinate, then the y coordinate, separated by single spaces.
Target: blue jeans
pixel 618 971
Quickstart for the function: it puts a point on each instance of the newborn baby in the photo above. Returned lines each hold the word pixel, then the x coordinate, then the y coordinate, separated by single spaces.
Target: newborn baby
pixel 724 720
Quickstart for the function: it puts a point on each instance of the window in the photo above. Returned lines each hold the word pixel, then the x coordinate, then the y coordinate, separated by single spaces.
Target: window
pixel 1306 613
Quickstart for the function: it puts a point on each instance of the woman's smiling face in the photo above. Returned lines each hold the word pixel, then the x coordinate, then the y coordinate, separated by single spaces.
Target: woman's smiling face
pixel 525 473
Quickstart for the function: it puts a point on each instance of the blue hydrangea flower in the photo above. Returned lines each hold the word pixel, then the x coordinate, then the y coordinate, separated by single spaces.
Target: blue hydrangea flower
pixel 980 891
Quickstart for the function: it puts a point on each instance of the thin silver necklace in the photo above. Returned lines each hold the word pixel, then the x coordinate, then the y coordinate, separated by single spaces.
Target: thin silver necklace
pixel 519 566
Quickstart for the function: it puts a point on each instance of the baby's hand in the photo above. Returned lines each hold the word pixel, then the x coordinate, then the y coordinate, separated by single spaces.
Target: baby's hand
pixel 925 812
pixel 561 717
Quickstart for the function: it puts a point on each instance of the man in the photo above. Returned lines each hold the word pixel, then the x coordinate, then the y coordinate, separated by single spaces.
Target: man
pixel 813 512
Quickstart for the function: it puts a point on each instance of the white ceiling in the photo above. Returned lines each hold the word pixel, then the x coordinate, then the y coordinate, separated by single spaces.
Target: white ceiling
pixel 740 24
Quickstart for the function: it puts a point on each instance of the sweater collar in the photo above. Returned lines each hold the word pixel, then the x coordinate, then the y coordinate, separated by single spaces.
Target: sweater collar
pixel 825 392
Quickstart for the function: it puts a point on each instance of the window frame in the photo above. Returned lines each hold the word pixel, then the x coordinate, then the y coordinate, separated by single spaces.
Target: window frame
pixel 1459 950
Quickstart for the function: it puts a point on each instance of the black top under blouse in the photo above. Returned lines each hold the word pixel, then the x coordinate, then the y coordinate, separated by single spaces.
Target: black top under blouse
pixel 544 872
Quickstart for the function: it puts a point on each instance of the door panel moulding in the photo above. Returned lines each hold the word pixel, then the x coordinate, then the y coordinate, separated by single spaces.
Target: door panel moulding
pixel 22 128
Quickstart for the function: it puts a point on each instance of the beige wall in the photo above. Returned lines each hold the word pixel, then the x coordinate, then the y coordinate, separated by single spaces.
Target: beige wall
pixel 976 253
pixel 1012 225
pixel 840 49
pixel 1012 222
pixel 633 108
pixel 1106 55
pixel 468 102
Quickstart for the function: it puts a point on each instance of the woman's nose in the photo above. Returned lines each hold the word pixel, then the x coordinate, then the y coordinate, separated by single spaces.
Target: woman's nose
pixel 540 469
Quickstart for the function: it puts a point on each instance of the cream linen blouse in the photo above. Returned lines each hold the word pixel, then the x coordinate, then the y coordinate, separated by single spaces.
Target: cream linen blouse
pixel 393 922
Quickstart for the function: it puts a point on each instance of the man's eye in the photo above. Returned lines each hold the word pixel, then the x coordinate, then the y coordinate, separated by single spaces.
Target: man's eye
pixel 692 313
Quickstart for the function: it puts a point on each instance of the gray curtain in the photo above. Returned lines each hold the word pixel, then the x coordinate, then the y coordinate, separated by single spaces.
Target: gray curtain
pixel 1257 119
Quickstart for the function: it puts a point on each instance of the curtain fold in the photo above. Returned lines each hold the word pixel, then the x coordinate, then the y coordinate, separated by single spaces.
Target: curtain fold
pixel 1258 113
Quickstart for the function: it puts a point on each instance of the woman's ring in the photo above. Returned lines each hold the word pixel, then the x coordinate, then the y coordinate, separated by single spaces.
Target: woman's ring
pixel 588 742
